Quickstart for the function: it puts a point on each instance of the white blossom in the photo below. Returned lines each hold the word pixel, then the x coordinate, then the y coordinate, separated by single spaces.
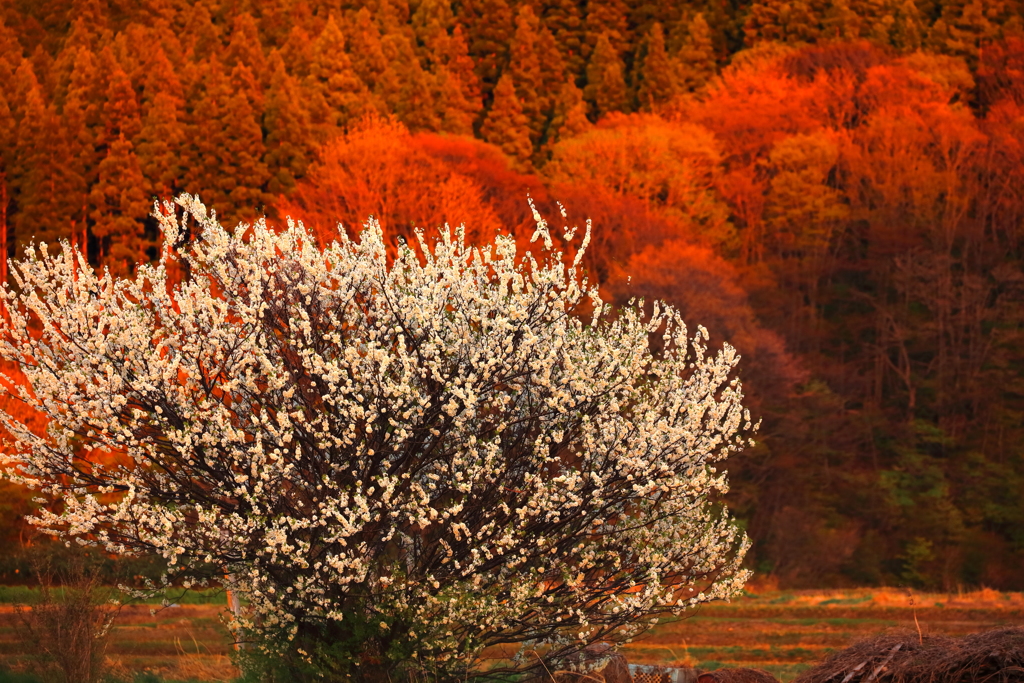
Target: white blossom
pixel 442 447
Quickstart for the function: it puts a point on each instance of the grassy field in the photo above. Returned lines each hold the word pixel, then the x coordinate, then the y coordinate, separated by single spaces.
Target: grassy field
pixel 786 632
pixel 783 632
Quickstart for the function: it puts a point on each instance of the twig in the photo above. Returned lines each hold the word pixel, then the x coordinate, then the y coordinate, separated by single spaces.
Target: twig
pixel 878 670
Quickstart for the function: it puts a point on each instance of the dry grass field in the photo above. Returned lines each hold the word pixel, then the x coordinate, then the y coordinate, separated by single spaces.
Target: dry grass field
pixel 786 632
pixel 781 631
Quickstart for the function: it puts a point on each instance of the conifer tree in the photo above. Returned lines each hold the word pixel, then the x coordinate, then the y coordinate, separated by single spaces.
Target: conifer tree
pixel 609 18
pixel 11 52
pixel 298 52
pixel 505 124
pixel 965 33
pixel 160 77
pixel 244 81
pixel 51 193
pixel 525 69
pixel 225 161
pixel 489 29
pixel 201 37
pixel 570 116
pixel 696 62
pixel 289 136
pixel 657 78
pixel 405 88
pixel 119 208
pixel 120 110
pixel 365 49
pixel 432 22
pixel 552 63
pixel 606 84
pixel 336 92
pixel 784 21
pixel 907 28
pixel 455 113
pixel 246 47
pixel 8 143
pixel 460 64
pixel 160 144
pixel 565 21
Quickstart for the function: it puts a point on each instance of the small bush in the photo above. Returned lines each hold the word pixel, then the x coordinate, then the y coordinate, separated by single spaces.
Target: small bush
pixel 67 625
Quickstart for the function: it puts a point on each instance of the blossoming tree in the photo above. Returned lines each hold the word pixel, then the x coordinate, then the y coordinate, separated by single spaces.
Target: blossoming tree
pixel 398 461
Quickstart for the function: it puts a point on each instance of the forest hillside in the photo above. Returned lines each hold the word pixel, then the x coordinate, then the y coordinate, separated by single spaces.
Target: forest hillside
pixel 833 186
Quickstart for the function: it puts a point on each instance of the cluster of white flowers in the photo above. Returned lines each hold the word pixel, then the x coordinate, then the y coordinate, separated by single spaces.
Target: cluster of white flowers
pixel 455 446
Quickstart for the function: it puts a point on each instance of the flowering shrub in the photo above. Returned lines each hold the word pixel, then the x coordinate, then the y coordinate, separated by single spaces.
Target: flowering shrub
pixel 396 464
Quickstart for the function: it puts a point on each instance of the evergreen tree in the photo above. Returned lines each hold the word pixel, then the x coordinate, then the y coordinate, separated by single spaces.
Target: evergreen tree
pixel 161 145
pixel 337 94
pixel 365 49
pixel 297 52
pixel 570 116
pixel 405 88
pixel 201 37
pixel 432 22
pixel 907 28
pixel 160 77
pixel 120 110
pixel 11 52
pixel 525 69
pixel 245 46
pixel 21 85
pixel 564 20
pixel 840 22
pixel 609 18
pixel 287 123
pixel 784 21
pixel 8 146
pixel 552 64
pixel 964 34
pixel 225 162
pixel 657 78
pixel 489 29
pixel 50 193
pixel 244 81
pixel 505 124
pixel 606 84
pixel 455 112
pixel 695 63
pixel 119 208
pixel 460 64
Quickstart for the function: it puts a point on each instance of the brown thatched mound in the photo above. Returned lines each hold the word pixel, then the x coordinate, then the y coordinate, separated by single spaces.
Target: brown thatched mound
pixel 901 657
pixel 737 676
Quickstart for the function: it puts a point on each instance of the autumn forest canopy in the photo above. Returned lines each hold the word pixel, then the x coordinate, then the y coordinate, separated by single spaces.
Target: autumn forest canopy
pixel 835 187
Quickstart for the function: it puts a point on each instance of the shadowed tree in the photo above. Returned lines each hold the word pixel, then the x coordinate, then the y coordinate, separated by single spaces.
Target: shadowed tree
pixel 289 135
pixel 119 209
pixel 505 124
pixel 656 73
pixel 525 69
pixel 337 94
pixel 606 82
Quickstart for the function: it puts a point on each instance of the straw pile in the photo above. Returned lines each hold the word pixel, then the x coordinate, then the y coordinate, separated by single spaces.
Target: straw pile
pixel 903 657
